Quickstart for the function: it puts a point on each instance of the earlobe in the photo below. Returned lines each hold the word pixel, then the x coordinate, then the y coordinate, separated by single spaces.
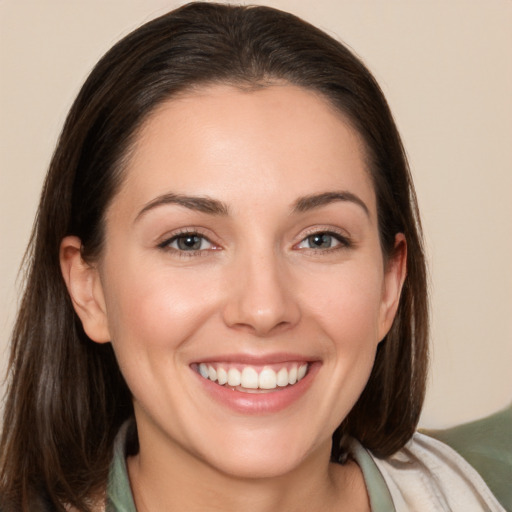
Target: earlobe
pixel 85 289
pixel 394 277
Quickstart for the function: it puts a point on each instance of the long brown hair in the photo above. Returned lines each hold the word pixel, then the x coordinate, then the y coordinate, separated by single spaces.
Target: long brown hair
pixel 66 397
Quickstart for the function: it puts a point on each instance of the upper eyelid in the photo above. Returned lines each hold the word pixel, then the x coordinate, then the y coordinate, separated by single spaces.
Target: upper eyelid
pixel 186 231
pixel 324 229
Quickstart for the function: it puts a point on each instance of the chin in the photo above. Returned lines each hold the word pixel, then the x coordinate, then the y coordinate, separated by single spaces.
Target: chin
pixel 259 467
pixel 265 458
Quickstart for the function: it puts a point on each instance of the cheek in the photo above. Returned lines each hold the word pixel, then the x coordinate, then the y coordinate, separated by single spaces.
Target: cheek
pixel 151 309
pixel 152 318
pixel 347 301
pixel 343 309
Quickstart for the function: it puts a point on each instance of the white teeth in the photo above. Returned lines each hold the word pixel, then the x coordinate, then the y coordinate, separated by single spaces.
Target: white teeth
pixel 267 379
pixel 234 377
pixel 212 373
pixel 302 371
pixel 203 370
pixel 222 376
pixel 292 375
pixel 282 377
pixel 249 377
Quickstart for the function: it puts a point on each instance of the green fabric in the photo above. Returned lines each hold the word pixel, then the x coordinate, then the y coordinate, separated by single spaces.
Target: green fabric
pixel 487 445
pixel 119 493
pixel 378 492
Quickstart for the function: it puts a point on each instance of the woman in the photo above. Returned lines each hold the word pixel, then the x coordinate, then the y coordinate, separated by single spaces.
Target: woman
pixel 228 280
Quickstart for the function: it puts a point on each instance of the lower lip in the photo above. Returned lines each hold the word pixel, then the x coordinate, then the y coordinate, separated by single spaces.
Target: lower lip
pixel 259 403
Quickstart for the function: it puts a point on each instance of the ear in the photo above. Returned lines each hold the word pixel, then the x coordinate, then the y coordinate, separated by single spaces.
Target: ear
pixel 395 272
pixel 85 289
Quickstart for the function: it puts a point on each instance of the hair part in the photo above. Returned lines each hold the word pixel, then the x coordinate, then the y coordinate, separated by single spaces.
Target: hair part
pixel 70 387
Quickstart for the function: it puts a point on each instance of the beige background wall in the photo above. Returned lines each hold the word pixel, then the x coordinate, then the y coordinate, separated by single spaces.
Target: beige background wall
pixel 446 68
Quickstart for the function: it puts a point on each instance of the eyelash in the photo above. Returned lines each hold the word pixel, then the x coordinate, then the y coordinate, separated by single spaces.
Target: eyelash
pixel 166 244
pixel 343 240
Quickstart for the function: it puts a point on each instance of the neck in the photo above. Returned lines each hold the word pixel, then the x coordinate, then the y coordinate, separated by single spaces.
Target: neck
pixel 174 479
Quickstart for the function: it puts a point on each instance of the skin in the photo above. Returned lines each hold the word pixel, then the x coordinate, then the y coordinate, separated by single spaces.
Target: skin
pixel 257 286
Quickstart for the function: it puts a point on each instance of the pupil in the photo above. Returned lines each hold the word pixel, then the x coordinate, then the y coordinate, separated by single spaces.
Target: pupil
pixel 189 242
pixel 321 240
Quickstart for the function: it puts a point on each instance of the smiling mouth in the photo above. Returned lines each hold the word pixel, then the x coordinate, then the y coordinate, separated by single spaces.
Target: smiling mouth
pixel 253 379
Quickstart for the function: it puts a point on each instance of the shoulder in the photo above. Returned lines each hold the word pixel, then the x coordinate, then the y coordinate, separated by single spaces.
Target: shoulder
pixel 428 475
pixel 486 444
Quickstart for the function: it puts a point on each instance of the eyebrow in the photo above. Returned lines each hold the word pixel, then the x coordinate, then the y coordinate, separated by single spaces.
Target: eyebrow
pixel 313 201
pixel 215 207
pixel 197 203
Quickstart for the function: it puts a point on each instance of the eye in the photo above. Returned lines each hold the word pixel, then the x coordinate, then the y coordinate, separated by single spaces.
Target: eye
pixel 188 242
pixel 323 240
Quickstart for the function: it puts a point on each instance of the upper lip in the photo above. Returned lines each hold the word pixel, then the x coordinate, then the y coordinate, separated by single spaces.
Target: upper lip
pixel 257 359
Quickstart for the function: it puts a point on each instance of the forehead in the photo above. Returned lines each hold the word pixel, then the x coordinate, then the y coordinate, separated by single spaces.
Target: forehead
pixel 278 142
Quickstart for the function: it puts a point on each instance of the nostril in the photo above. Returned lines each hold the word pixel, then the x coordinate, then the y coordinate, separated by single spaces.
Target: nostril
pixel 262 329
pixel 281 326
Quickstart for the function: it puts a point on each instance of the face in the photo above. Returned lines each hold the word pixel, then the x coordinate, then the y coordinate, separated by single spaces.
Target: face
pixel 242 283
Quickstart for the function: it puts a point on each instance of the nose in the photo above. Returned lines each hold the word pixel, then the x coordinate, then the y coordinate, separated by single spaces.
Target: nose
pixel 261 298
